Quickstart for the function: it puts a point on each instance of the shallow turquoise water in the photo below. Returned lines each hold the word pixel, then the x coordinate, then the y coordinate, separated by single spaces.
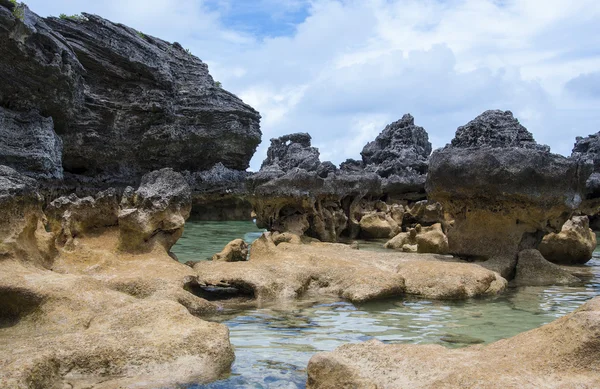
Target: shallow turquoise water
pixel 202 239
pixel 274 343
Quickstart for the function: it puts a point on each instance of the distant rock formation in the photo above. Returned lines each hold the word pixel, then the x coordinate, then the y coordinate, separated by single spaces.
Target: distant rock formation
pixel 503 190
pixel 295 191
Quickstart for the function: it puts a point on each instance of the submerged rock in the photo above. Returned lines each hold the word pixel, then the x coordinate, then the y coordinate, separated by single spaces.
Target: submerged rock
pixel 503 191
pixel 534 270
pixel 562 354
pixel 574 244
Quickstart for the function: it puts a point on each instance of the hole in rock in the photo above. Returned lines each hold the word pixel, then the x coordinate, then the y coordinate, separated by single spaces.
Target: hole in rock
pixel 15 304
pixel 222 291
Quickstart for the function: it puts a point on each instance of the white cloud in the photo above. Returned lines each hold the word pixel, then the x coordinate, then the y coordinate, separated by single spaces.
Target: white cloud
pixel 353 66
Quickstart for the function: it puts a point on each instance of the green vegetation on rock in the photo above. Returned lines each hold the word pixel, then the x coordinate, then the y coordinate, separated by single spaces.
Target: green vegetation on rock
pixel 75 17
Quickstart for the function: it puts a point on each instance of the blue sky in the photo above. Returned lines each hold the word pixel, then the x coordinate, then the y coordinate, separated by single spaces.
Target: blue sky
pixel 342 70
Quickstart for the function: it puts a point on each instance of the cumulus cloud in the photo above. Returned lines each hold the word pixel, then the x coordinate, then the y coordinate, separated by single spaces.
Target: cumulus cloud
pixel 343 69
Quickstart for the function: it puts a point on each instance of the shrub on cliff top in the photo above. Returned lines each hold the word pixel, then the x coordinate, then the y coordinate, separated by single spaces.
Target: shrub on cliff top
pixel 76 17
pixel 18 11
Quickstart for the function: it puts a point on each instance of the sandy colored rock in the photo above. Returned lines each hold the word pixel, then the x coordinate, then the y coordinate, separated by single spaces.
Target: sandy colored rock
pixel 90 315
pixel 236 250
pixel 533 270
pixel 449 280
pixel 561 355
pixel 574 244
pixel 155 213
pixel 288 271
pixel 421 239
pixel 378 225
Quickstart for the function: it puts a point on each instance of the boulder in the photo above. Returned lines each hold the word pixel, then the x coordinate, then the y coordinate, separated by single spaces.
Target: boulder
pixel 155 213
pixel 378 225
pixel 425 213
pixel 562 354
pixel 236 250
pixel 503 191
pixel 432 240
pixel 574 244
pixel 534 270
pixel 29 144
pixel 420 239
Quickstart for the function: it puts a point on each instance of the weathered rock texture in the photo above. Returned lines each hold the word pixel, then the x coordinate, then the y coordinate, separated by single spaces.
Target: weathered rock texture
pixel 150 104
pixel 108 104
pixel 100 317
pixel 574 244
pixel 234 251
pixel 503 190
pixel 29 144
pixel 563 354
pixel 281 268
pixel 421 239
pixel 400 156
pixel 295 191
pixel 534 270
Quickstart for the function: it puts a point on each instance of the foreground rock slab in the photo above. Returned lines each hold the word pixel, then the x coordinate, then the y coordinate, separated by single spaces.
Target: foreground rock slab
pixel 77 312
pixel 563 354
pixel 280 267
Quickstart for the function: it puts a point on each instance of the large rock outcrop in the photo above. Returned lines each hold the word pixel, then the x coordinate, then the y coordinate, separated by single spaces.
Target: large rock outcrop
pixel 295 191
pixel 400 156
pixel 107 104
pixel 149 104
pixel 101 317
pixel 563 354
pixel 504 191
pixel 38 67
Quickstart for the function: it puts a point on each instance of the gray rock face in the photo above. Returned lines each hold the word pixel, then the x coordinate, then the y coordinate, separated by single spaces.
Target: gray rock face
pixel 504 192
pixel 295 191
pixel 150 104
pixel 495 128
pixel 29 144
pixel 38 68
pixel 587 152
pixel 123 104
pixel 400 156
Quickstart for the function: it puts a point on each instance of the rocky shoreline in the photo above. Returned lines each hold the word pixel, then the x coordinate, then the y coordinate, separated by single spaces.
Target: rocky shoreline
pixel 110 139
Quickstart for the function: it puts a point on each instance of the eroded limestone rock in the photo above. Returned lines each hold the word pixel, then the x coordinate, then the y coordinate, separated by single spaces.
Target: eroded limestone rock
pixel 503 191
pixel 156 212
pixel 100 317
pixel 421 239
pixel 562 354
pixel 293 183
pixel 534 270
pixel 574 244
pixel 278 270
pixel 234 251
